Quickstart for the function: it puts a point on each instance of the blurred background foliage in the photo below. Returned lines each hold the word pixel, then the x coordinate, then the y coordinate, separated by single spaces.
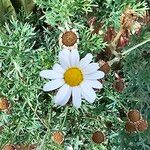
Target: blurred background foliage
pixel 29 44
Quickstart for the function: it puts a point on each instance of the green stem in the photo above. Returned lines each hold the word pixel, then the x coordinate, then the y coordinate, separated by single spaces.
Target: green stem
pixel 66 112
pixel 134 47
pixel 41 120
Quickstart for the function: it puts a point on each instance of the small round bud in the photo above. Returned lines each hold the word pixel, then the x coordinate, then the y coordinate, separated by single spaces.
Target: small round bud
pixel 98 137
pixel 119 85
pixel 130 127
pixel 142 125
pixel 58 137
pixel 134 115
pixel 4 104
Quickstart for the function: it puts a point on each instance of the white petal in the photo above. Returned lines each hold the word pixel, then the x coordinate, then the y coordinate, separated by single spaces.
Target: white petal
pixel 94 84
pixel 76 96
pixel 86 60
pixel 87 92
pixel 52 85
pixel 50 74
pixel 93 67
pixel 58 68
pixel 64 58
pixel 96 75
pixel 74 57
pixel 63 95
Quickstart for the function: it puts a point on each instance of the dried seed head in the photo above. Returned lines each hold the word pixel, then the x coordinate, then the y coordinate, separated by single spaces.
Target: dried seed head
pixel 123 41
pixel 32 146
pixel 91 21
pixel 98 137
pixel 69 38
pixel 4 104
pixel 130 127
pixel 9 147
pixel 104 66
pixel 142 125
pixel 1 129
pixel 128 18
pixel 104 55
pixel 58 137
pixel 134 115
pixel 110 35
pixel 119 85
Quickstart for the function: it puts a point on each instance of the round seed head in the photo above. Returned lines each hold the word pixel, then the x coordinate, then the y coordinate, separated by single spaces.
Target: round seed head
pixel 9 147
pixel 134 115
pixel 58 137
pixel 130 127
pixel 4 104
pixel 69 38
pixel 118 85
pixel 98 137
pixel 142 125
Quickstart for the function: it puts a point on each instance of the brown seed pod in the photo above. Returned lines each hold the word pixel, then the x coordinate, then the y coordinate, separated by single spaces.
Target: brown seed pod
pixel 4 104
pixel 110 34
pixel 58 137
pixel 32 147
pixel 91 21
pixel 134 115
pixel 123 41
pixel 9 147
pixel 1 129
pixel 104 66
pixel 27 147
pixel 130 127
pixel 119 85
pixel 69 38
pixel 98 137
pixel 104 55
pixel 142 125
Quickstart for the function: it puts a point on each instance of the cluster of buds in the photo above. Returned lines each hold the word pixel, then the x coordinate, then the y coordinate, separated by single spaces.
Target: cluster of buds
pixel 135 122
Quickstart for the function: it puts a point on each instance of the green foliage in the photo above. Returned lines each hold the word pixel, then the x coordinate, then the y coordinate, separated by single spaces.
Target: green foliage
pixel 10 7
pixel 59 11
pixel 27 5
pixel 6 9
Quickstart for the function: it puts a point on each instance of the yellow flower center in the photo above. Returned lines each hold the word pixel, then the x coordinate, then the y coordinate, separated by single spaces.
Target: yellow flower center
pixel 73 76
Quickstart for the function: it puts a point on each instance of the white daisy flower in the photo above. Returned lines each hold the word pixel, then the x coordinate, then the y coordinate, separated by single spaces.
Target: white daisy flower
pixel 69 38
pixel 73 77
